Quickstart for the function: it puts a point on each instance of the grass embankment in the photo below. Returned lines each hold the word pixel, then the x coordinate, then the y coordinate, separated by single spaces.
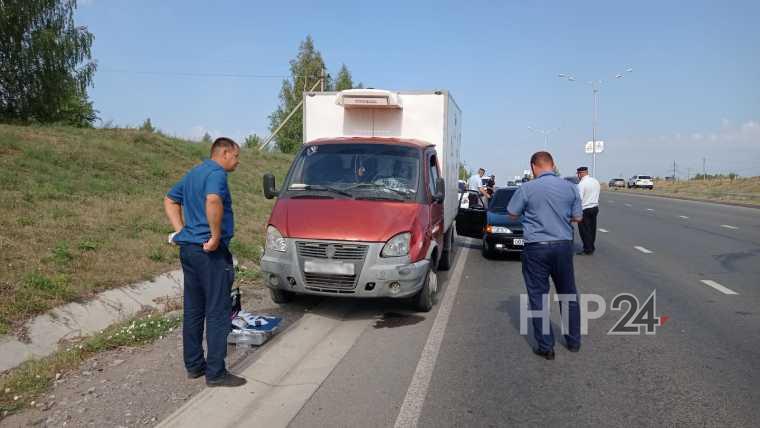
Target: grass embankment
pixel 737 191
pixel 21 387
pixel 81 210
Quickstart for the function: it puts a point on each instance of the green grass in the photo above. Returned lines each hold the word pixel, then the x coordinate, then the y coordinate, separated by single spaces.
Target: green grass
pixel 81 211
pixel 23 385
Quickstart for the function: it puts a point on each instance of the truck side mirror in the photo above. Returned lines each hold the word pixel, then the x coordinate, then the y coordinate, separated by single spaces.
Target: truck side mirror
pixel 440 187
pixel 269 186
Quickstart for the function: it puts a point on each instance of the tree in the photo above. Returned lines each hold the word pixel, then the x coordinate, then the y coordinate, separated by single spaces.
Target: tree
pixel 147 126
pixel 206 138
pixel 305 71
pixel 344 81
pixel 45 63
pixel 253 141
pixel 464 173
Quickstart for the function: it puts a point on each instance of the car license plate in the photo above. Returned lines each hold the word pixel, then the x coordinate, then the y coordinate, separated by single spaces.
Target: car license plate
pixel 328 267
pixel 518 242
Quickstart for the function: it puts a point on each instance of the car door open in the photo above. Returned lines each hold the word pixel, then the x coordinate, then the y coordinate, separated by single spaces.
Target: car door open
pixel 472 219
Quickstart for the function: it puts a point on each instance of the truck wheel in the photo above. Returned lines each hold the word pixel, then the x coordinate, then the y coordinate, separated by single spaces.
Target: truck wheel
pixel 280 296
pixel 444 263
pixel 425 299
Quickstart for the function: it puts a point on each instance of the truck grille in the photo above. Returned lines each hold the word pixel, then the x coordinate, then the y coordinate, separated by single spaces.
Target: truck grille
pixel 326 250
pixel 330 282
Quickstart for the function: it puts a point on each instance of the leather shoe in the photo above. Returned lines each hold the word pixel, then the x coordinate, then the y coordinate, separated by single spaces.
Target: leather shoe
pixel 196 374
pixel 227 379
pixel 549 355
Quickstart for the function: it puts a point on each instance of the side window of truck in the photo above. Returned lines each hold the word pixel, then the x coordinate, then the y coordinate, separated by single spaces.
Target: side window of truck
pixel 433 167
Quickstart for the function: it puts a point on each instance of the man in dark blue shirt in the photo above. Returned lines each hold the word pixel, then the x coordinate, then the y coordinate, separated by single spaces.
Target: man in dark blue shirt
pixel 199 208
pixel 549 204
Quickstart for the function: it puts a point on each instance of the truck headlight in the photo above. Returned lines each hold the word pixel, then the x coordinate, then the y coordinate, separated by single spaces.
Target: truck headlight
pixel 275 241
pixel 497 229
pixel 397 246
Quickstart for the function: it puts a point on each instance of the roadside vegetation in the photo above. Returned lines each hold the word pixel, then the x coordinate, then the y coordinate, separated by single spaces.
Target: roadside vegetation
pixel 81 211
pixel 21 387
pixel 737 190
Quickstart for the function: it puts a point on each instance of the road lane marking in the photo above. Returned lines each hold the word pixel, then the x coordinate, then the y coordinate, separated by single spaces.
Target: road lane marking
pixel 728 226
pixel 683 216
pixel 649 209
pixel 643 250
pixel 603 230
pixel 628 205
pixel 411 408
pixel 715 285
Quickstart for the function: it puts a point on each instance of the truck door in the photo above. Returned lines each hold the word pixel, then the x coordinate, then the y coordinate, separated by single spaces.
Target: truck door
pixel 436 211
pixel 471 218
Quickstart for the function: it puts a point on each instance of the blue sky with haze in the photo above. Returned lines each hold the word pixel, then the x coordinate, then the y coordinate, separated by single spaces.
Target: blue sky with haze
pixel 694 92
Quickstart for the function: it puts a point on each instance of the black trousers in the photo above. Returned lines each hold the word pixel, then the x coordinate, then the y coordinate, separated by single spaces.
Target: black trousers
pixel 587 229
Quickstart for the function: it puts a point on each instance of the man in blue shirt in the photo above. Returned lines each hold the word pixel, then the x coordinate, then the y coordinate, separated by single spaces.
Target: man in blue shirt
pixel 549 205
pixel 199 208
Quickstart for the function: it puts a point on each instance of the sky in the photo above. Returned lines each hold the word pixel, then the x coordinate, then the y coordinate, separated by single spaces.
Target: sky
pixel 693 97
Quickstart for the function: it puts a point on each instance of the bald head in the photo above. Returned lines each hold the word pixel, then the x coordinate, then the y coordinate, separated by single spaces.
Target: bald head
pixel 542 160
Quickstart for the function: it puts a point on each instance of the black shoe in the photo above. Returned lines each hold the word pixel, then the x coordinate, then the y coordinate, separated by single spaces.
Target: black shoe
pixel 575 348
pixel 196 374
pixel 549 355
pixel 227 379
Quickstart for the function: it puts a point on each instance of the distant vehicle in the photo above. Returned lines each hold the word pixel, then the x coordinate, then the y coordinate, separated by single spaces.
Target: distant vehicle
pixel 641 182
pixel 511 184
pixel 616 182
pixel 492 224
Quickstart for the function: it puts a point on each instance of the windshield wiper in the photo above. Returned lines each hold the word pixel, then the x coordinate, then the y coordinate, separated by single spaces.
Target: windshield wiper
pixel 321 188
pixel 380 186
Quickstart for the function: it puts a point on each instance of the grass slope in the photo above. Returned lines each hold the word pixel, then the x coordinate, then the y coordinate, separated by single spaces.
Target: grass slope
pixel 81 211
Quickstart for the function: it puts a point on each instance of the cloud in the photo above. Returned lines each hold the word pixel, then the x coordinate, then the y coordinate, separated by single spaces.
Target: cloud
pixel 727 136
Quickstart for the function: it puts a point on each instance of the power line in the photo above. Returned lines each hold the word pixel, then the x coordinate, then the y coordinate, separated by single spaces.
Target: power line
pixel 202 74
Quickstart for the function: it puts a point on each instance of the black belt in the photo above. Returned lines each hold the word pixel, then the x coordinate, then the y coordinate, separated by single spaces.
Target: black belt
pixel 549 242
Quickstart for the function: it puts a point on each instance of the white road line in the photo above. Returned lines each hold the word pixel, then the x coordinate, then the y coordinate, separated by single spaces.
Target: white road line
pixel 643 250
pixel 683 216
pixel 729 227
pixel 603 230
pixel 718 287
pixel 411 408
pixel 628 205
pixel 649 209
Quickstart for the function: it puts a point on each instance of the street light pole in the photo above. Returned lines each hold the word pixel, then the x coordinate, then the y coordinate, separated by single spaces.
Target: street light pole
pixel 595 90
pixel 545 133
pixel 593 128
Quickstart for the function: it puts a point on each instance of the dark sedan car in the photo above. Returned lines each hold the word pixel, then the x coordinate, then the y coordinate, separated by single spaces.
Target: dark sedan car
pixel 492 224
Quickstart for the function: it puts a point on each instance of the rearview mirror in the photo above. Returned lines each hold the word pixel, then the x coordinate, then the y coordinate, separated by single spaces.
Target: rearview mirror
pixel 269 186
pixel 440 193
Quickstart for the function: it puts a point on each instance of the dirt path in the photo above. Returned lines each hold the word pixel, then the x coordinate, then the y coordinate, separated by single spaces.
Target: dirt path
pixel 134 387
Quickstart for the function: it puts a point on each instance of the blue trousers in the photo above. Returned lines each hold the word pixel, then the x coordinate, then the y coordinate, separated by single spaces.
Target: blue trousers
pixel 208 280
pixel 555 260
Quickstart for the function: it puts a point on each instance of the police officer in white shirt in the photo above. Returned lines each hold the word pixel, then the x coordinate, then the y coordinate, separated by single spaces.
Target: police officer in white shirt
pixel 589 188
pixel 476 183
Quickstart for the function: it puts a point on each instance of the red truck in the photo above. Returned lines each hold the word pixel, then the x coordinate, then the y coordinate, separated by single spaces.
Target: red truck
pixel 367 208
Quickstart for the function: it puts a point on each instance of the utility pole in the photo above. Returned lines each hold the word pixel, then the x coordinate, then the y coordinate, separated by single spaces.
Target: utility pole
pixel 688 174
pixel 674 171
pixel 269 139
pixel 593 129
pixel 704 169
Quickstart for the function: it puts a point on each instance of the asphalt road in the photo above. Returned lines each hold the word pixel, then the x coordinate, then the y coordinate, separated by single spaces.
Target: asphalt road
pixel 702 367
